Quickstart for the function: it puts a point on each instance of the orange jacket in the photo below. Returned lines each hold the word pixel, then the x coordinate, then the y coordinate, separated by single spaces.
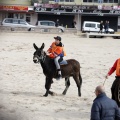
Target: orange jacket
pixel 118 68
pixel 55 51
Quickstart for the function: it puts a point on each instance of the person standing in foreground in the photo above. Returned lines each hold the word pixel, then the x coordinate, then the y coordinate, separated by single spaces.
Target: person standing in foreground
pixel 103 107
pixel 116 66
pixel 56 51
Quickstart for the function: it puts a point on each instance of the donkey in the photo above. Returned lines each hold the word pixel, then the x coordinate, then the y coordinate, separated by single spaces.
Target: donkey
pixel 49 70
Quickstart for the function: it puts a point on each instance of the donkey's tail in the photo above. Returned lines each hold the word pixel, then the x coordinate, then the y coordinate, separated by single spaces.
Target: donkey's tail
pixel 80 78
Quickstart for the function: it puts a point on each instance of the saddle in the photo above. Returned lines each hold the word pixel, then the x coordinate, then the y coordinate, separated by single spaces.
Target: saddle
pixel 62 61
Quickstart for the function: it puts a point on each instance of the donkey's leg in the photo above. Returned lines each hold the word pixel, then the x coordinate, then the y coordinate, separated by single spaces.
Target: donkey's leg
pixel 76 78
pixel 47 86
pixel 67 84
pixel 80 79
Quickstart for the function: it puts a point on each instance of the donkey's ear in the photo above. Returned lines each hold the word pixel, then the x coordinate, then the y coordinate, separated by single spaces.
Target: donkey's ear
pixel 43 45
pixel 34 45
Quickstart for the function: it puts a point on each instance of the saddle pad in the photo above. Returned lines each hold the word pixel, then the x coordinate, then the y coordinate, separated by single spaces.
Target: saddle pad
pixel 63 62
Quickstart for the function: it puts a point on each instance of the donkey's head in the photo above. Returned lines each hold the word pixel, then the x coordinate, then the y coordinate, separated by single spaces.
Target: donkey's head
pixel 39 54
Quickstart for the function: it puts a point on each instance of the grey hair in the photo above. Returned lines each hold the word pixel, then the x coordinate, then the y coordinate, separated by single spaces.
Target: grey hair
pixel 100 89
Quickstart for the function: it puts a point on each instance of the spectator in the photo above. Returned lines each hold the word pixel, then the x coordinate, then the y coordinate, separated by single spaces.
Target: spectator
pixel 103 107
pixel 115 67
pixel 57 23
pixel 101 27
pixel 73 24
pixel 106 26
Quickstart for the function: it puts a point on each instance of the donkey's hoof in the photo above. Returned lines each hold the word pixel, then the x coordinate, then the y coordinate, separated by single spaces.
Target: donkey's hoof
pixel 45 95
pixel 63 94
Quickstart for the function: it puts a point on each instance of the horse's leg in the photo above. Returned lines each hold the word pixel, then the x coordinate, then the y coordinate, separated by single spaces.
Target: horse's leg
pixel 78 81
pixel 67 84
pixel 47 86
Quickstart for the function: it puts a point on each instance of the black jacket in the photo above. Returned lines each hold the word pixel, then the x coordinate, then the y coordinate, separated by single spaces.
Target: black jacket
pixel 104 108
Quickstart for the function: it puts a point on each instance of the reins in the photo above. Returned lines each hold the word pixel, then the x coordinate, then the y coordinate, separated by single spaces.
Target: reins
pixel 104 81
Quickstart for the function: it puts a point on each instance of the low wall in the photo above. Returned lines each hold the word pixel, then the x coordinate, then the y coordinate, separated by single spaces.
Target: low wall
pixel 36 29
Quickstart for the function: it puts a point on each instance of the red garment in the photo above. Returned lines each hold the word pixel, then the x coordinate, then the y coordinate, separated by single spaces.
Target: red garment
pixel 113 68
pixel 55 50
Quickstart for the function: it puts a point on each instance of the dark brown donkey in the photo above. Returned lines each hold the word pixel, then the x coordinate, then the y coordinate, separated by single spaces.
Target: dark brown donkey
pixel 49 70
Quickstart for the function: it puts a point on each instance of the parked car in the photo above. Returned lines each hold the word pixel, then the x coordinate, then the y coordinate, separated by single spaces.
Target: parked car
pixel 49 24
pixel 12 22
pixel 89 26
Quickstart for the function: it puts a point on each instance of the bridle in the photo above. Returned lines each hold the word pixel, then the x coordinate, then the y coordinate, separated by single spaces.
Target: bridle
pixel 41 58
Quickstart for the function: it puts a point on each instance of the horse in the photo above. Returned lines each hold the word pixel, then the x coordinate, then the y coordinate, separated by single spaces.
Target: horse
pixel 72 68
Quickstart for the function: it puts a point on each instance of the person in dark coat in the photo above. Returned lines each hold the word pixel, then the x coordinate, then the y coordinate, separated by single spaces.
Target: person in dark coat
pixel 103 107
pixel 101 27
pixel 57 23
pixel 106 26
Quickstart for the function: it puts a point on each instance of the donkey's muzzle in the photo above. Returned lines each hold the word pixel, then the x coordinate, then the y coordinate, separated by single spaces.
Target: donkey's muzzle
pixel 35 60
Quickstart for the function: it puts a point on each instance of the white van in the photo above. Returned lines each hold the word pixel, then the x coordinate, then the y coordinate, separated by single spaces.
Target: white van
pixel 90 26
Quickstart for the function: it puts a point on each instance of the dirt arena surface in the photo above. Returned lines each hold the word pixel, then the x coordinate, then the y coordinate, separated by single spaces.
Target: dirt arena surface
pixel 22 82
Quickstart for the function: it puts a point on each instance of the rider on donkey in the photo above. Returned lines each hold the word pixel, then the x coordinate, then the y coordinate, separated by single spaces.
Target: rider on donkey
pixel 116 67
pixel 56 51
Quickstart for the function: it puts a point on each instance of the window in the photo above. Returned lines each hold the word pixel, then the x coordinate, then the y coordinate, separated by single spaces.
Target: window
pixel 96 1
pixel 44 23
pixel 89 0
pixel 105 1
pixel 101 1
pixel 22 22
pixel 87 25
pixel 66 0
pixel 93 25
pixel 15 15
pixel 111 1
pixel 98 25
pixel 28 17
pixel 21 16
pixel 51 24
pixel 15 21
pixel 115 1
pixel 8 21
pixel 10 15
pixel 90 25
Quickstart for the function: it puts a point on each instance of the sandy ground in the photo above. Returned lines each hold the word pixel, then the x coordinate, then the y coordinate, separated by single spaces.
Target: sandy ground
pixel 22 81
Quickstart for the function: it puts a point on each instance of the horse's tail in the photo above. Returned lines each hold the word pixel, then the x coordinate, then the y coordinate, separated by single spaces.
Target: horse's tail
pixel 80 78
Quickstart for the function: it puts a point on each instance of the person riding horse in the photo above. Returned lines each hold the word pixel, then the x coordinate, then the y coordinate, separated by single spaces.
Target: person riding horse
pixel 116 67
pixel 56 52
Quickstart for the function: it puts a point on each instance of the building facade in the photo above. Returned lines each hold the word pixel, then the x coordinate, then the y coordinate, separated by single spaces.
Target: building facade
pixel 68 11
pixel 20 9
